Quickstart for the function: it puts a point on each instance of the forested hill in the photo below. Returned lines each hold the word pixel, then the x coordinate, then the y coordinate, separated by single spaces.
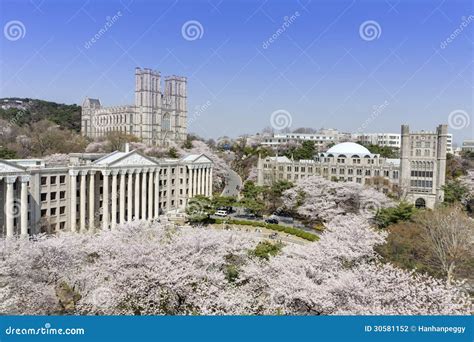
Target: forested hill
pixel 23 111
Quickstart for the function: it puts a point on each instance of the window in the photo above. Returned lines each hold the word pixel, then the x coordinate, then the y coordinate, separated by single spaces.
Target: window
pixel 62 179
pixel 44 180
pixel 53 196
pixel 44 197
pixel 53 180
pixel 62 194
pixel 53 211
pixel 62 210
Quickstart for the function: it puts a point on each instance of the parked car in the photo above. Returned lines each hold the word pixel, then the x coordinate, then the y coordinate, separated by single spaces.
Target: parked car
pixel 221 213
pixel 271 220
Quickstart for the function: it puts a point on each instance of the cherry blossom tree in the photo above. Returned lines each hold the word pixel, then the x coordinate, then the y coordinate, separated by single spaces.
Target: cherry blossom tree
pixel 320 199
pixel 156 268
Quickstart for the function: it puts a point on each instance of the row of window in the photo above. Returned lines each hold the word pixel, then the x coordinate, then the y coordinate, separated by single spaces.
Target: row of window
pixel 421 183
pixel 422 174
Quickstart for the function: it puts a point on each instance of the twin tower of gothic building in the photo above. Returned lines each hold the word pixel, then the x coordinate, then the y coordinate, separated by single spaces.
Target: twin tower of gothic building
pixel 159 116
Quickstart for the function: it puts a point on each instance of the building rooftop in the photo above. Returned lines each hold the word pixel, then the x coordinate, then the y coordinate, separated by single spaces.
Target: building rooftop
pixel 348 148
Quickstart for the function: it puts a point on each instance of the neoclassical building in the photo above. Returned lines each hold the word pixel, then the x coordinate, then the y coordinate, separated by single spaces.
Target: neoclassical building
pixel 157 118
pixel 418 176
pixel 96 191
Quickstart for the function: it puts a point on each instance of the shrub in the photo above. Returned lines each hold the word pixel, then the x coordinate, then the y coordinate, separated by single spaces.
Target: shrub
pixel 391 215
pixel 266 249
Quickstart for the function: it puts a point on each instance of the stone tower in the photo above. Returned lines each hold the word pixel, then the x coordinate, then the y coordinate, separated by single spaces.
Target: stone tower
pixel 175 107
pixel 423 165
pixel 147 120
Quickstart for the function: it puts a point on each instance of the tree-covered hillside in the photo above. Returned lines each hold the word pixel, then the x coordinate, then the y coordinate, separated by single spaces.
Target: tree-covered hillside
pixel 23 111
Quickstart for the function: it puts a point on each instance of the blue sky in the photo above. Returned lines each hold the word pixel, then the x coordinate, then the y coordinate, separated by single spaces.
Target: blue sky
pixel 322 68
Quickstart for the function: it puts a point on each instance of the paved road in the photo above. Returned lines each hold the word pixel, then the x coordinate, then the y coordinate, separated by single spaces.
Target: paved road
pixel 233 181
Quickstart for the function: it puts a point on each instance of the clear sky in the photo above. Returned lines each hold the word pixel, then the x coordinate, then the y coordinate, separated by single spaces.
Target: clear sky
pixel 321 66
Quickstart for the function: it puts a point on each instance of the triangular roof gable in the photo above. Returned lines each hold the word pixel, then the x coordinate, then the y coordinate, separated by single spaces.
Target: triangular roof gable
pixel 134 158
pixel 6 166
pixel 202 159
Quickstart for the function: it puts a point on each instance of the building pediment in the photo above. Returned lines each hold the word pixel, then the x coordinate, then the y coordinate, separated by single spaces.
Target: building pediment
pixel 197 159
pixel 133 159
pixel 6 167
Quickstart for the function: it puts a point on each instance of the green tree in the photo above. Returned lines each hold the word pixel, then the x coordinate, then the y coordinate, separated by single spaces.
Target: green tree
pixel 306 150
pixel 199 208
pixel 223 201
pixel 266 249
pixel 388 216
pixel 454 191
pixel 173 153
pixel 5 153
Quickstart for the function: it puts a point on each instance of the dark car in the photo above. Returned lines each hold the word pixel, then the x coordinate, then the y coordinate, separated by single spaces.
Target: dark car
pixel 271 220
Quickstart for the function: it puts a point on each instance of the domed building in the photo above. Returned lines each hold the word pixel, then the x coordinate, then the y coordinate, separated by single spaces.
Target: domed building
pixel 417 176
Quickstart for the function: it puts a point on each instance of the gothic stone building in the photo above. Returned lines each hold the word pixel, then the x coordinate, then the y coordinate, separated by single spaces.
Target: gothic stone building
pixel 418 176
pixel 96 191
pixel 157 118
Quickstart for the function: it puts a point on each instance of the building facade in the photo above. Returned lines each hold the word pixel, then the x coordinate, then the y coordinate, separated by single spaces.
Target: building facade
pixel 418 176
pixel 95 191
pixel 157 118
pixel 467 146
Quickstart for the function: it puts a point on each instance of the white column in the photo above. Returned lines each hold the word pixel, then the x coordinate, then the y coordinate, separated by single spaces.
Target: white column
pixel 130 196
pixel 210 182
pixel 150 195
pixel 82 217
pixel 105 200
pixel 137 195
pixel 113 211
pixel 194 181
pixel 199 181
pixel 205 181
pixel 144 205
pixel 122 196
pixel 157 193
pixel 24 205
pixel 91 200
pixel 10 205
pixel 73 202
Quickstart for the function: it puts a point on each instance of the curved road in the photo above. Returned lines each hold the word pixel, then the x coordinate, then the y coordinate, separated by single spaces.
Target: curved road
pixel 233 181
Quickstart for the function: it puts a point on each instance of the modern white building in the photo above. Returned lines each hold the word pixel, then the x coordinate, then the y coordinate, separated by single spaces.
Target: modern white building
pixel 96 191
pixel 322 139
pixel 418 176
pixel 157 118
pixel 467 146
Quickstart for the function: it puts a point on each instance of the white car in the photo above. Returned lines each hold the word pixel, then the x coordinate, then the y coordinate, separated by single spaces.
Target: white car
pixel 221 213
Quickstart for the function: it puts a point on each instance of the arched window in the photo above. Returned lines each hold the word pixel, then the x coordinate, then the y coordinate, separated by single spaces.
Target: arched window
pixel 166 122
pixel 420 203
